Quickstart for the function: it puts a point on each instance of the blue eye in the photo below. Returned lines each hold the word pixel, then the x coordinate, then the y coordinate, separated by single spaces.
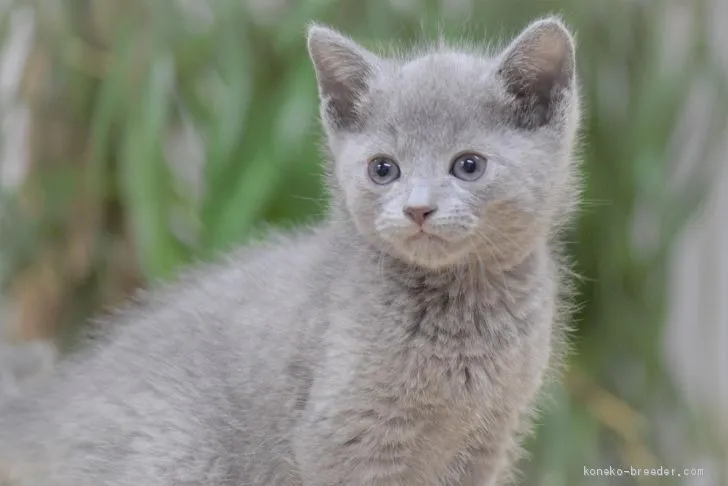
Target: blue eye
pixel 468 167
pixel 383 170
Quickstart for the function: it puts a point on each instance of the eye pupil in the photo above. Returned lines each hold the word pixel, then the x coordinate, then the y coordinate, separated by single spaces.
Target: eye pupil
pixel 469 165
pixel 383 169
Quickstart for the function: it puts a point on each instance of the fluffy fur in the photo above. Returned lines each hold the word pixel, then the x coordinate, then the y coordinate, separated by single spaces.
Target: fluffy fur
pixel 369 350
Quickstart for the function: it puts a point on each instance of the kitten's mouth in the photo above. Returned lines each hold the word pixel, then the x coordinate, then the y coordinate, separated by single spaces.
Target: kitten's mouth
pixel 422 235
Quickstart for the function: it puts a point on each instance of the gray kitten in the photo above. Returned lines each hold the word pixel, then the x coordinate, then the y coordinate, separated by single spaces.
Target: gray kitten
pixel 401 342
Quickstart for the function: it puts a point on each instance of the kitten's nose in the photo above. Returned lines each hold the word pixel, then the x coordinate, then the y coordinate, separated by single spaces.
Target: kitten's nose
pixel 419 214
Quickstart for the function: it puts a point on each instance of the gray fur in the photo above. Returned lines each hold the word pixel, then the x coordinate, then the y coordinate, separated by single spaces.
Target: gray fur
pixel 23 363
pixel 355 352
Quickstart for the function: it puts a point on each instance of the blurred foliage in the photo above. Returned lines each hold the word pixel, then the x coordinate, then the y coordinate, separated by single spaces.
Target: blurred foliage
pixel 163 132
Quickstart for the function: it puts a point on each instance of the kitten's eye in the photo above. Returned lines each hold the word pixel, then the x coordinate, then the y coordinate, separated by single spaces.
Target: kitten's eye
pixel 469 167
pixel 383 170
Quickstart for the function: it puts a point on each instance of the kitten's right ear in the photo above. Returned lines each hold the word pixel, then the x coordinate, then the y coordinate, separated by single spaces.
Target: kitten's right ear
pixel 343 72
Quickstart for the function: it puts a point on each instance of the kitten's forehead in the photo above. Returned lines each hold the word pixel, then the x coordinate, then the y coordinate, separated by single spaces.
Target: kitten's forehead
pixel 459 67
pixel 435 96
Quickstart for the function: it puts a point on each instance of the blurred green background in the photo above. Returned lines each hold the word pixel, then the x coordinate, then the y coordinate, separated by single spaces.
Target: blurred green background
pixel 164 132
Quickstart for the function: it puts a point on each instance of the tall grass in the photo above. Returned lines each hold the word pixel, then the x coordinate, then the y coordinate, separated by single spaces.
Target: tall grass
pixel 164 132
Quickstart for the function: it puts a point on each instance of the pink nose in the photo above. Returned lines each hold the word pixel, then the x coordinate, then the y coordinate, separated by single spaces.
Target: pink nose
pixel 419 214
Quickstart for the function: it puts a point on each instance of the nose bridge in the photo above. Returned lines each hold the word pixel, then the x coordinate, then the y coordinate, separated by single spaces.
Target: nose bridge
pixel 420 194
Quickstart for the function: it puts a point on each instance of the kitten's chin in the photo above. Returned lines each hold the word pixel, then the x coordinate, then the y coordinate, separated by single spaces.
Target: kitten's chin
pixel 428 251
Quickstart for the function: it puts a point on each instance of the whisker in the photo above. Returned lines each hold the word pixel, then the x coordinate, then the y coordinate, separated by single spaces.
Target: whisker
pixel 489 246
pixel 500 234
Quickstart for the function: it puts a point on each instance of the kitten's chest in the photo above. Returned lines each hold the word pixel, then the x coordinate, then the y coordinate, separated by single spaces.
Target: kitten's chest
pixel 447 374
pixel 460 354
pixel 446 389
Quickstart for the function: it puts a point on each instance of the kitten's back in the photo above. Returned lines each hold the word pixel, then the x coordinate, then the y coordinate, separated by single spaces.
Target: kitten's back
pixel 176 375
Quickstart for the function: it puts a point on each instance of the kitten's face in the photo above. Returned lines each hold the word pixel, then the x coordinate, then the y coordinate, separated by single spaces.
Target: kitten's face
pixel 450 156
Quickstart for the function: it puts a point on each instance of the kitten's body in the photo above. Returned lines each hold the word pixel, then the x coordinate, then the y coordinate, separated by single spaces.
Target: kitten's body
pixel 329 357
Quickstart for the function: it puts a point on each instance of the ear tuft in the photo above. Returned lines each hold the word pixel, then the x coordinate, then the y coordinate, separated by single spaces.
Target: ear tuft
pixel 538 68
pixel 343 71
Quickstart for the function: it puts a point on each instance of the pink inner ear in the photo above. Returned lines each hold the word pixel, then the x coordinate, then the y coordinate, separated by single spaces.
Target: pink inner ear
pixel 551 51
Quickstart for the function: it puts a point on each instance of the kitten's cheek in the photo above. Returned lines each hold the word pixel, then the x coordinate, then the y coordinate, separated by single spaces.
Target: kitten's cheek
pixel 366 220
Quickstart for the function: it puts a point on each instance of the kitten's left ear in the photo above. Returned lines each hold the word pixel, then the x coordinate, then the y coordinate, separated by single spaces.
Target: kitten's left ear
pixel 538 68
pixel 343 71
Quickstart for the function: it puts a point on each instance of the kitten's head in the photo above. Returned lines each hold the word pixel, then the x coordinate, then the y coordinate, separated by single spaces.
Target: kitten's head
pixel 450 155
